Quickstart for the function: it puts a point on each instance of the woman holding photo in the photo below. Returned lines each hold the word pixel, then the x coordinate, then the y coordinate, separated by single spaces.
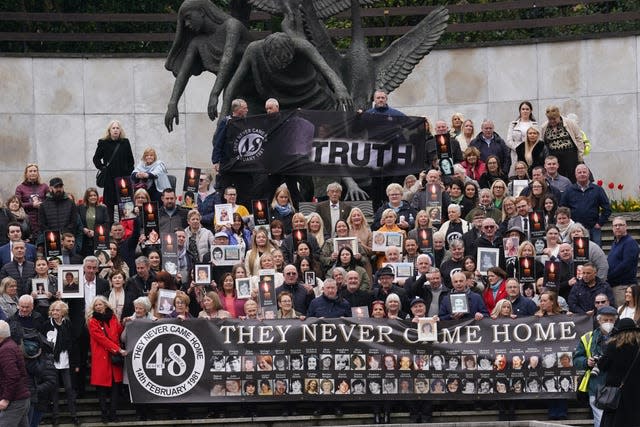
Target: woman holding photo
pixel 51 286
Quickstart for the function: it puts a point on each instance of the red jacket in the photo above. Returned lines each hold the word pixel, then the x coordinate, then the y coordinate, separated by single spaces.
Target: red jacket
pixel 487 296
pixel 13 375
pixel 474 172
pixel 103 372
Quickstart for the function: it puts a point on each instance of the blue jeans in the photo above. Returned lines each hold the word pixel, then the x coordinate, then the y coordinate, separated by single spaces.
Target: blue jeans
pixel 597 413
pixel 595 234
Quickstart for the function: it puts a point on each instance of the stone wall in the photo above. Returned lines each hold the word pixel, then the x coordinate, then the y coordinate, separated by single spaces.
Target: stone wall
pixel 53 110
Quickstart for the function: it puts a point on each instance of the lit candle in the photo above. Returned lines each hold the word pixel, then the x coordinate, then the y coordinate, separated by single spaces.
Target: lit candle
pixel 191 182
pixel 536 221
pixel 150 215
pixel 580 244
pixel 123 187
pixel 101 237
pixel 552 272
pixel 53 245
pixel 169 243
pixel 259 210
pixel 434 192
pixel 265 291
pixel 527 268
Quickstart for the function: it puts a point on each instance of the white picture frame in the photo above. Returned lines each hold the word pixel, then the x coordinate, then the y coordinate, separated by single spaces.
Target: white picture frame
pixel 165 301
pixel 427 329
pixel 487 258
pixel 459 303
pixel 243 288
pixel 39 288
pixel 340 242
pixel 223 214
pixel 71 281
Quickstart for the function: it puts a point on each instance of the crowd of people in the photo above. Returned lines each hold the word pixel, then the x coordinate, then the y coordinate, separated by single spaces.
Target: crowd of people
pixel 481 207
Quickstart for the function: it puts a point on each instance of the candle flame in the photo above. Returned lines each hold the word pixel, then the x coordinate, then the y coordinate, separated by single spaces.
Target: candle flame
pixel 52 237
pixel 123 183
pixel 259 205
pixel 552 267
pixel 192 173
pixel 580 243
pixel 149 208
pixel 100 230
pixel 535 217
pixel 526 263
pixel 433 189
pixel 169 240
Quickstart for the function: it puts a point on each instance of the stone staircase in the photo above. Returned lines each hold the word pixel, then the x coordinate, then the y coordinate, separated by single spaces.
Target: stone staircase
pixel 462 413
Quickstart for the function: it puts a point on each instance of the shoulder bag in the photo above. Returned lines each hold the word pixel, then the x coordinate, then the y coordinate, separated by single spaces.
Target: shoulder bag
pixel 117 359
pixel 100 175
pixel 608 396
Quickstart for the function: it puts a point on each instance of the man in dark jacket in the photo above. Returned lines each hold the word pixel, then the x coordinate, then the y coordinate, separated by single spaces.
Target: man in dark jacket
pixel 475 307
pixel 301 295
pixel 43 379
pixel 329 304
pixel 430 289
pixel 19 269
pixel 520 305
pixel 14 394
pixel 588 202
pixel 93 286
pixel 490 143
pixel 58 211
pixel 387 287
pixel 352 293
pixel 623 260
pixel 583 293
pixel 170 216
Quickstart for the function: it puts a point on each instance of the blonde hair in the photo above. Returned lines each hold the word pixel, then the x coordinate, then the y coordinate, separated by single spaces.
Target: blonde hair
pixel 282 189
pixel 6 282
pixel 320 234
pixel 90 309
pixel 107 134
pixel 496 312
pixel 64 308
pixel 31 165
pixel 349 218
pixel 148 151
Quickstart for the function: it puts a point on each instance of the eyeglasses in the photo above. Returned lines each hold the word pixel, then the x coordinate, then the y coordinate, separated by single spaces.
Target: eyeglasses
pixel 600 302
pixel 489 227
pixel 290 273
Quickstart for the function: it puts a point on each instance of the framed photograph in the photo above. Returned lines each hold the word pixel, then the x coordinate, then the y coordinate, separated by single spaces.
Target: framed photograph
pixel 189 200
pixel 444 148
pixel 39 287
pixel 459 303
pixel 536 224
pixel 223 214
pixel 539 243
pixel 267 289
pixel 487 258
pixel 517 185
pixel 71 281
pixel 379 241
pixel 394 239
pixel 510 246
pixel 165 301
pixel 360 312
pixel 350 242
pixel 103 257
pixel 310 278
pixel 427 329
pixel 403 270
pixel 243 288
pixel 203 274
pixel 225 255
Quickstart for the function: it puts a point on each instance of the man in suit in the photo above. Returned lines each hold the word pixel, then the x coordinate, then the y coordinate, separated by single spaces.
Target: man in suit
pixel 15 235
pixel 333 210
pixel 93 286
pixel 521 220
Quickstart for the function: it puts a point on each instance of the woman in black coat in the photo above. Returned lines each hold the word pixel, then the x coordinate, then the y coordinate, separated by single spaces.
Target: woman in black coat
pixel 92 214
pixel 618 359
pixel 121 164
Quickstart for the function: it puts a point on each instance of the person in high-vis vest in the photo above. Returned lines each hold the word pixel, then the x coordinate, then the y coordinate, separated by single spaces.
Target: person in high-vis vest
pixel 588 352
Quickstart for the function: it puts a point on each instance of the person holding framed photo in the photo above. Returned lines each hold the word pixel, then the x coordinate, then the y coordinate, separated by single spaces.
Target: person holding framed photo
pixel 475 307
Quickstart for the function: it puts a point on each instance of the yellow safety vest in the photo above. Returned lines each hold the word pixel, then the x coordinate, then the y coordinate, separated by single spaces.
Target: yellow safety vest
pixel 586 339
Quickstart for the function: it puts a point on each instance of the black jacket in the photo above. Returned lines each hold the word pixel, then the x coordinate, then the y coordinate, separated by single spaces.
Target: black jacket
pixel 58 214
pixel 43 379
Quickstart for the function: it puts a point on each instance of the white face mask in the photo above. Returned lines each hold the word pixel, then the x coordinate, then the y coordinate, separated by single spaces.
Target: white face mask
pixel 606 327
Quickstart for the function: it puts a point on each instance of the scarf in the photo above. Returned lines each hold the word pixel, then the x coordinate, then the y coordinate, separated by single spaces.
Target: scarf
pixel 103 317
pixel 20 214
pixel 284 210
pixel 157 169
pixel 63 341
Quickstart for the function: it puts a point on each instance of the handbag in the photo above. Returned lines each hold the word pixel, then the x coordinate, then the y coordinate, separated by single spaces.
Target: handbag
pixel 101 175
pixel 608 396
pixel 117 359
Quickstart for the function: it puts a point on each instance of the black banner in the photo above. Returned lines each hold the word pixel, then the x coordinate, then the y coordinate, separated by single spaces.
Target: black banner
pixel 201 360
pixel 325 143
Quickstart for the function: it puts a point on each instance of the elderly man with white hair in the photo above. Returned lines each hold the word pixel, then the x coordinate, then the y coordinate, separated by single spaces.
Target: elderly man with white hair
pixel 26 317
pixel 14 393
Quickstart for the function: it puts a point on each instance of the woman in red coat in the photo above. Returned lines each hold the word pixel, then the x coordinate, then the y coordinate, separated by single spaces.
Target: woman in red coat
pixel 104 332
pixel 497 287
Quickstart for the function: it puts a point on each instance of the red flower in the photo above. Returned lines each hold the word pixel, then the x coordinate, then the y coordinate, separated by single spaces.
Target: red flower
pixel 611 185
pixel 620 186
pixel 600 182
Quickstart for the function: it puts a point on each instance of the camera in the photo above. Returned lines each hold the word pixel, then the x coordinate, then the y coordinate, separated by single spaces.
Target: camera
pixel 595 371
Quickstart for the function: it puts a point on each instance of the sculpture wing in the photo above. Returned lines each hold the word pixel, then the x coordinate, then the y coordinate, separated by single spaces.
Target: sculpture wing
pixel 327 8
pixel 397 61
pixel 268 6
pixel 317 34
